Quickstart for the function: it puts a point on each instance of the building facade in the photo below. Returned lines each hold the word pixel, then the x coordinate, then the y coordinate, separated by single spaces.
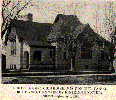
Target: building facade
pixel 64 45
pixel 87 51
pixel 25 43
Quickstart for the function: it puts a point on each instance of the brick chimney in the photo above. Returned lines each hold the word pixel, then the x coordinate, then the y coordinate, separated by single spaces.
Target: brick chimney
pixel 30 17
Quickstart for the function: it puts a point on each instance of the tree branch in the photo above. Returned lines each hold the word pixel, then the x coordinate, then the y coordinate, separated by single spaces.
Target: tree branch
pixel 5 5
pixel 8 25
pixel 3 18
pixel 8 3
pixel 11 11
pixel 21 9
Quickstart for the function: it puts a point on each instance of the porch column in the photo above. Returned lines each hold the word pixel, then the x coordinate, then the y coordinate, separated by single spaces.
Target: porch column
pixel 56 58
pixel 56 50
pixel 21 53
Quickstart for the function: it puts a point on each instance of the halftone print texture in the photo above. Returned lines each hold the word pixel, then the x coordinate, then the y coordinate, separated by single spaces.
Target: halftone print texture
pixel 43 39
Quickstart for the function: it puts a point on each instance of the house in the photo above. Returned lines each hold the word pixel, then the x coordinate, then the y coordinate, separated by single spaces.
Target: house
pixel 64 45
pixel 61 25
pixel 26 45
pixel 95 50
pixel 88 51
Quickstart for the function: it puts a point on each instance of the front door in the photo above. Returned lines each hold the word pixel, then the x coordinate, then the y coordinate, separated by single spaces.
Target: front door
pixel 26 60
pixel 3 62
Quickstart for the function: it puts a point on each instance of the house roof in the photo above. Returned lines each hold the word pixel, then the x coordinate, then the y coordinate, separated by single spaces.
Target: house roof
pixel 93 36
pixel 31 31
pixel 81 30
pixel 64 23
pixel 70 19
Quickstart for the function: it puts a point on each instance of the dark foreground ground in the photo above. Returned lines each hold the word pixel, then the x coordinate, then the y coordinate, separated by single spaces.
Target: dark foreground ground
pixel 83 79
pixel 59 77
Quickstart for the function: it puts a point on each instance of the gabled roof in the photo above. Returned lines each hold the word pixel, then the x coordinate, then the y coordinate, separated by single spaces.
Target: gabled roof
pixel 93 36
pixel 71 19
pixel 31 30
pixel 65 23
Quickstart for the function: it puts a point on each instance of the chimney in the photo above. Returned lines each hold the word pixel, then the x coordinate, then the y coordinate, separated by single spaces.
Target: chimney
pixel 30 17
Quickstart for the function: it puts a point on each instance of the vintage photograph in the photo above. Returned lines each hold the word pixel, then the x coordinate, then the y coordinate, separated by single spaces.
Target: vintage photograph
pixel 58 42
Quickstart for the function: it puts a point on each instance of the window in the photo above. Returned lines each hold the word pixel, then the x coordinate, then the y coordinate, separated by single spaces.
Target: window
pixel 86 51
pixel 102 54
pixel 12 66
pixel 64 55
pixel 13 48
pixel 51 54
pixel 37 55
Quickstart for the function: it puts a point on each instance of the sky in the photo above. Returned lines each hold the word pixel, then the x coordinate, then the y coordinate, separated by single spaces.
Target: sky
pixel 87 11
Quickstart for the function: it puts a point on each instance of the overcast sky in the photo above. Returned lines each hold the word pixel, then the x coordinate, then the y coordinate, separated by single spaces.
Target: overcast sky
pixel 45 11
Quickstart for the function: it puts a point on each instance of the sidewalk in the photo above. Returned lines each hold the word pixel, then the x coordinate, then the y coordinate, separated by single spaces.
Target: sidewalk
pixel 84 79
pixel 13 73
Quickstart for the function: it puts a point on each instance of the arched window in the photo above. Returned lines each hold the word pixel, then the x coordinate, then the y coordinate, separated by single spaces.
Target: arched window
pixel 12 38
pixel 13 47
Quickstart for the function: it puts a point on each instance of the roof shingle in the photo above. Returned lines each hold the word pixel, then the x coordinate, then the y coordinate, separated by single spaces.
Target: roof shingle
pixel 32 30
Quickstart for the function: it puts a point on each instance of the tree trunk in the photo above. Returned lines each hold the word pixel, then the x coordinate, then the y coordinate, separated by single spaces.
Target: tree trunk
pixel 72 56
pixel 71 65
pixel 73 61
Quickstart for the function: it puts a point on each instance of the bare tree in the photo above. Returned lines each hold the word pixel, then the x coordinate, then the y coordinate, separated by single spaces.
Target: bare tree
pixel 67 33
pixel 10 12
pixel 111 27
